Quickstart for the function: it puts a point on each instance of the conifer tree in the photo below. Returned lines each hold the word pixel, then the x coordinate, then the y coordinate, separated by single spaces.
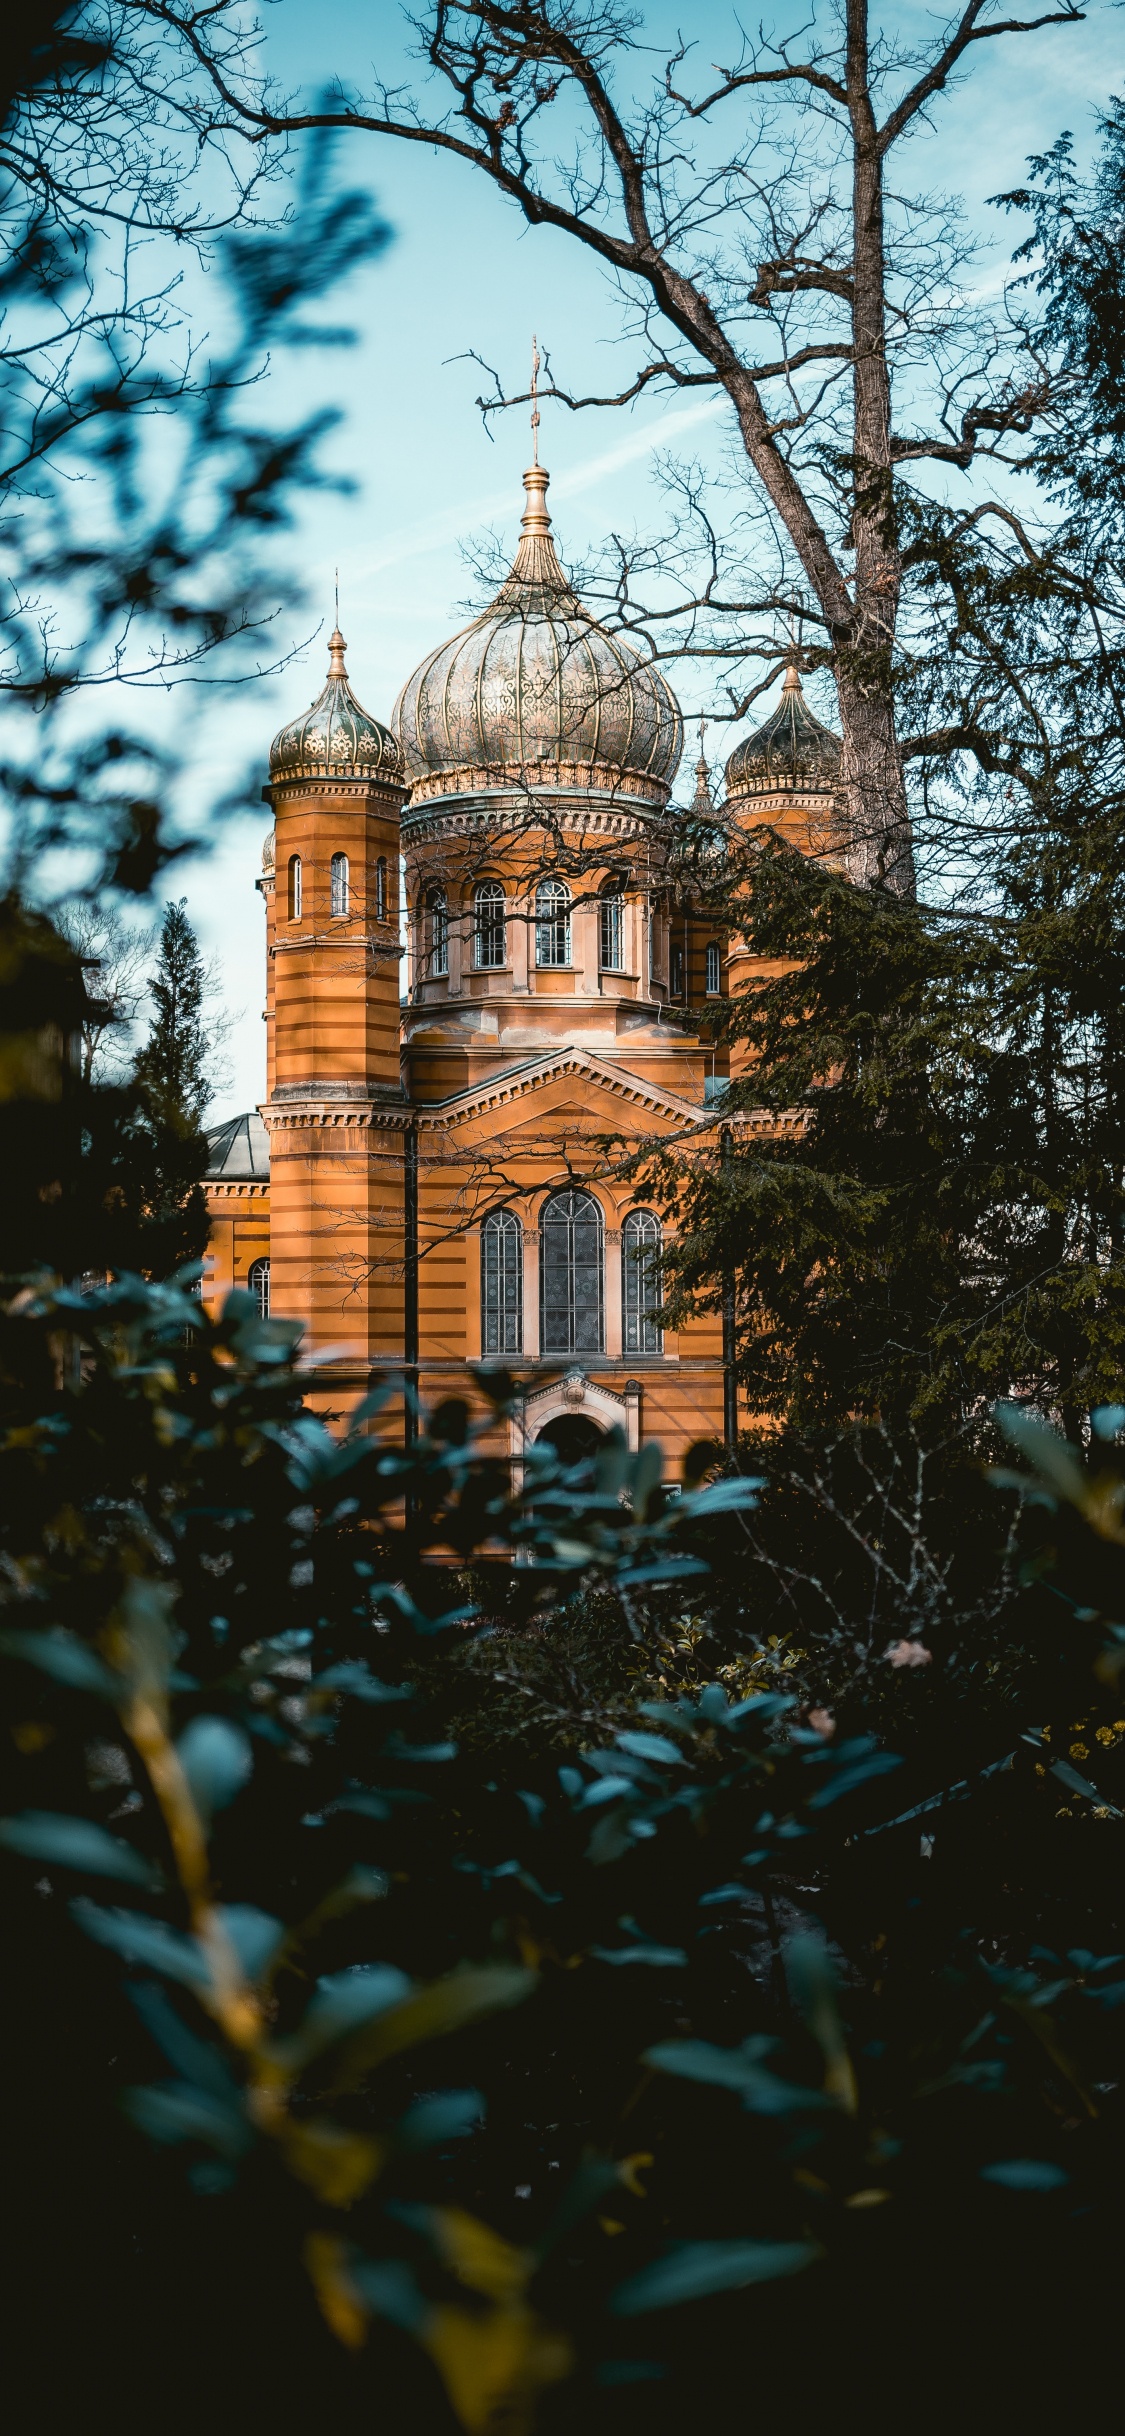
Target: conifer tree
pixel 164 1149
pixel 948 1223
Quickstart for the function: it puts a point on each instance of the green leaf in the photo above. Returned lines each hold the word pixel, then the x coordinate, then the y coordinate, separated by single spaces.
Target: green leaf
pixel 216 1759
pixel 740 2069
pixel 465 1995
pixel 1045 1450
pixel 662 1957
pixel 254 1935
pixel 46 1835
pixel 1075 1783
pixel 345 2000
pixel 696 2268
pixel 67 1659
pixel 1025 2174
pixel 141 1940
pixel 651 1746
pixel 452 2115
pixel 175 2111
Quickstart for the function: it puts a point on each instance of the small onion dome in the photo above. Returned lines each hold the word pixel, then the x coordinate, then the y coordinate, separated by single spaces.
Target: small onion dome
pixel 791 749
pixel 267 854
pixel 536 693
pixel 337 738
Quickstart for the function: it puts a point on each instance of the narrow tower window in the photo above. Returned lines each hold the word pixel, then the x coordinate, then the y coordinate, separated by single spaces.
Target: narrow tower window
pixel 258 1282
pixel 437 943
pixel 640 1283
pixel 501 1283
pixel 677 988
pixel 714 970
pixel 612 938
pixel 339 881
pixel 552 923
pixel 571 1275
pixel 489 943
pixel 381 889
pixel 294 887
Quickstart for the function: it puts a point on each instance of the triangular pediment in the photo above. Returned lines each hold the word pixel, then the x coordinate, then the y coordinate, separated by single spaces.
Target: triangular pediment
pixel 570 1085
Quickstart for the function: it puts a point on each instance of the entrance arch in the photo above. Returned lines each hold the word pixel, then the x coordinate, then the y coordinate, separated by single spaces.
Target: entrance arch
pixel 574 1436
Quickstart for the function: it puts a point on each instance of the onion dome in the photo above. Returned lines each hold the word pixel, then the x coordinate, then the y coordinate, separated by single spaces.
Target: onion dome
pixel 536 693
pixel 267 855
pixel 337 738
pixel 790 750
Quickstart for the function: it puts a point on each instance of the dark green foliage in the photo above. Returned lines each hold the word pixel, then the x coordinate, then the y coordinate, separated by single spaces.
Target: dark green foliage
pixel 520 2066
pixel 162 1145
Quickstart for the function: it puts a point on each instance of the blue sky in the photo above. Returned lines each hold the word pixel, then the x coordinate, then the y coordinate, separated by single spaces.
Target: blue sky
pixel 464 272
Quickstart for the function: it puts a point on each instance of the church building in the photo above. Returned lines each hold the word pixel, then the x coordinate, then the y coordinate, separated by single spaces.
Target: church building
pixel 438 1180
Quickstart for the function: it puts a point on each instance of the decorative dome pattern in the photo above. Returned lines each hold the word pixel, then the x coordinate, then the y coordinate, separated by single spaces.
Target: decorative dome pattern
pixel 337 738
pixel 268 853
pixel 792 749
pixel 535 691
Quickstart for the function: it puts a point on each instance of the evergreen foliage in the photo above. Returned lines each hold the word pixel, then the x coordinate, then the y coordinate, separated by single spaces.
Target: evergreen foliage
pixel 488 2090
pixel 942 1220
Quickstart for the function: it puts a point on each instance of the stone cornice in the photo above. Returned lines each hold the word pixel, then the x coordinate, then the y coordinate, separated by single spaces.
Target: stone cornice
pixel 280 791
pixel 242 1189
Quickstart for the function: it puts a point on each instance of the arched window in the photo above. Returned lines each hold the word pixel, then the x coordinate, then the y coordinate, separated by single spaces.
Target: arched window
pixel 571 1269
pixel 640 1283
pixel 258 1282
pixel 552 923
pixel 489 942
pixel 381 889
pixel 437 934
pixel 294 887
pixel 611 941
pixel 714 970
pixel 501 1283
pixel 338 872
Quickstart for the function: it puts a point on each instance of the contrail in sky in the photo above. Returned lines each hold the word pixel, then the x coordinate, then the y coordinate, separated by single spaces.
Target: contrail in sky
pixel 436 532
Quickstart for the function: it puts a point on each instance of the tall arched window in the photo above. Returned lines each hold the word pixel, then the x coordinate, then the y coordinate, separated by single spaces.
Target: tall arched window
pixel 714 970
pixel 611 939
pixel 340 889
pixel 258 1282
pixel 571 1275
pixel 489 943
pixel 294 887
pixel 501 1283
pixel 640 1283
pixel 437 934
pixel 381 889
pixel 552 923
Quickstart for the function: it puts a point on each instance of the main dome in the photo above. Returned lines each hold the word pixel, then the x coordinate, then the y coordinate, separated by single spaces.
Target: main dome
pixel 536 693
pixel 337 738
pixel 791 749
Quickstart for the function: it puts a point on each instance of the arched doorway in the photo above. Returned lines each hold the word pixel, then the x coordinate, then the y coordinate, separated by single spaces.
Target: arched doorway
pixel 574 1437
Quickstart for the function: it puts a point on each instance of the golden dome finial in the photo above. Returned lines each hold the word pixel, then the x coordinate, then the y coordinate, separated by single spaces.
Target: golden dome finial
pixel 336 649
pixel 534 401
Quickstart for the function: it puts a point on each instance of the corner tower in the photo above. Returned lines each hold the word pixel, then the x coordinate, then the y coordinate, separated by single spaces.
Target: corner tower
pixel 335 1109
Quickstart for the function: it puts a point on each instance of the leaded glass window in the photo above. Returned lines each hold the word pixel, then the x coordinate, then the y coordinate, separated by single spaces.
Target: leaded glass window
pixel 612 938
pixel 381 889
pixel 338 874
pixel 501 1283
pixel 294 887
pixel 640 1283
pixel 258 1282
pixel 714 970
pixel 552 923
pixel 571 1275
pixel 488 935
pixel 437 924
